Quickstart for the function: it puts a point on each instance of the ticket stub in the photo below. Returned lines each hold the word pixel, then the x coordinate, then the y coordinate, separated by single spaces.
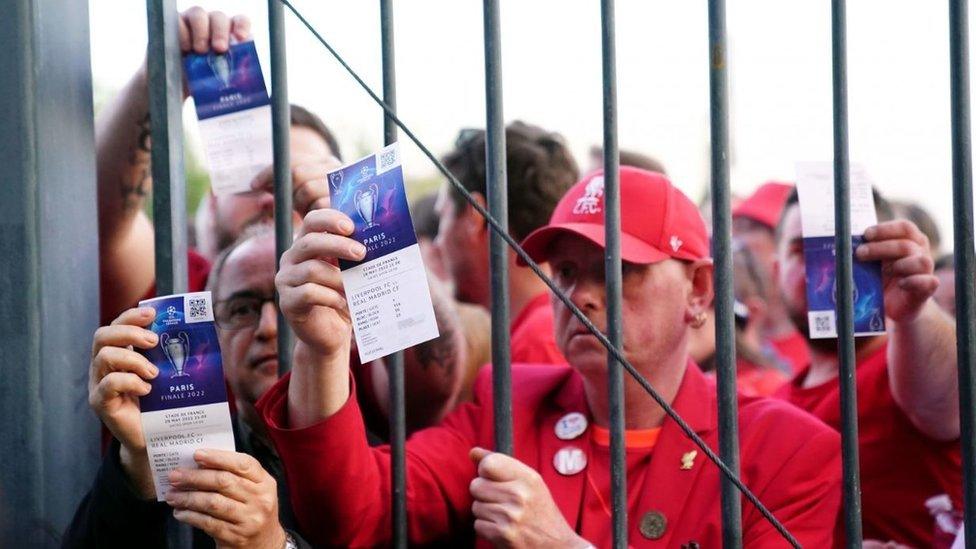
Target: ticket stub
pixel 234 112
pixel 815 187
pixel 387 292
pixel 187 407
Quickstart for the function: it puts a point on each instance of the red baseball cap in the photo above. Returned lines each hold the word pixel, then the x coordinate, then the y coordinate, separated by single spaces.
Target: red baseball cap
pixel 657 221
pixel 765 205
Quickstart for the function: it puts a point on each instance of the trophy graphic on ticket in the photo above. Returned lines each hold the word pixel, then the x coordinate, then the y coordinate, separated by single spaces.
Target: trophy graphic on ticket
pixel 176 348
pixel 222 65
pixel 366 204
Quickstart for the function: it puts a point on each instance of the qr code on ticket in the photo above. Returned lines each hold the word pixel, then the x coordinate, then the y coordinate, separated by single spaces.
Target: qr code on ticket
pixel 387 159
pixel 197 309
pixel 823 324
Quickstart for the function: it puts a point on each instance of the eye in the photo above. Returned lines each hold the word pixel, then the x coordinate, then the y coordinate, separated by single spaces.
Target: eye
pixel 243 308
pixel 565 272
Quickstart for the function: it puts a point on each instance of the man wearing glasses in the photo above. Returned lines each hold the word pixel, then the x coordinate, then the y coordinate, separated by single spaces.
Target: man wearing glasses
pixel 240 499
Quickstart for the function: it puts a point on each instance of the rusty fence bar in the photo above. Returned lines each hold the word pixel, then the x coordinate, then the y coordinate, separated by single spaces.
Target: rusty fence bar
pixel 614 276
pixel 845 280
pixel 394 362
pixel 962 210
pixel 496 185
pixel 728 412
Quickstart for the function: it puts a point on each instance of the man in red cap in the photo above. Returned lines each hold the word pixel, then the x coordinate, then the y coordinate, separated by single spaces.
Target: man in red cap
pixel 554 491
pixel 754 223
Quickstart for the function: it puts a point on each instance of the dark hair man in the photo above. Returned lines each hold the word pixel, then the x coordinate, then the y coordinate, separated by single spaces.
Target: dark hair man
pixel 540 169
pixel 553 491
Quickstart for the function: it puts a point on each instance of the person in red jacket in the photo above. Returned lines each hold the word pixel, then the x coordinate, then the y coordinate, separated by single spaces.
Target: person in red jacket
pixel 907 385
pixel 554 491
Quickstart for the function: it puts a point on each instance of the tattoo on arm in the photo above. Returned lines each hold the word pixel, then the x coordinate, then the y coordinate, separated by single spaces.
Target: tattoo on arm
pixel 135 184
pixel 441 352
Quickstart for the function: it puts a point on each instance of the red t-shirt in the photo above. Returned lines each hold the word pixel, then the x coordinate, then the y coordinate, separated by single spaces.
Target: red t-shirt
pixel 533 339
pixel 755 380
pixel 900 466
pixel 596 521
pixel 198 269
pixel 793 349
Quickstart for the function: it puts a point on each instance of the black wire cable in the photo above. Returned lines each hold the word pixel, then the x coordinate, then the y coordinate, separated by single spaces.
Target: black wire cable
pixel 712 456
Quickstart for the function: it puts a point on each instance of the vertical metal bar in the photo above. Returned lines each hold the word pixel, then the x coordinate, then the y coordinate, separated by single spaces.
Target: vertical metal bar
pixel 165 113
pixel 497 186
pixel 49 272
pixel 845 281
pixel 281 135
pixel 169 185
pixel 722 251
pixel 611 197
pixel 962 209
pixel 394 362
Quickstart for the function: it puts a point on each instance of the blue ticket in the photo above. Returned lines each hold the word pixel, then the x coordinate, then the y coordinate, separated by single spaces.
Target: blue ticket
pixel 187 407
pixel 234 113
pixel 815 188
pixel 388 293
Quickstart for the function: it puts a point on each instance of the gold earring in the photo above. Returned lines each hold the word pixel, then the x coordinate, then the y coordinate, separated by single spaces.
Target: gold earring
pixel 699 320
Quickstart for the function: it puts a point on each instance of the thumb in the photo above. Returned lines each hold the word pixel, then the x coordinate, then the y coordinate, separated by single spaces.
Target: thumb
pixel 264 180
pixel 478 453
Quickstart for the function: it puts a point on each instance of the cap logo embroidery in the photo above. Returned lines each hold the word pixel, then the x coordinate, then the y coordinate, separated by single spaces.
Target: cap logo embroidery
pixel 675 243
pixel 589 203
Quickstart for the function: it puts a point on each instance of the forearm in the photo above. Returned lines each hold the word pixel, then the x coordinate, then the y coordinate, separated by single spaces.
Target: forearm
pixel 123 156
pixel 922 368
pixel 319 385
pixel 124 179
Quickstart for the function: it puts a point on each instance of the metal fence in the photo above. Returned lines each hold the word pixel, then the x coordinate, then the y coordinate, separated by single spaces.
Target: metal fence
pixel 169 215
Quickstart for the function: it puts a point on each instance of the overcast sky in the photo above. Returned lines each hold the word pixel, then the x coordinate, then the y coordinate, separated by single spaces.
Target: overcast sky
pixel 780 52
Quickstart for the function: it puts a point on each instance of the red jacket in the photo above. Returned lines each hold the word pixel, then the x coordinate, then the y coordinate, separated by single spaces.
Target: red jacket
pixel 341 487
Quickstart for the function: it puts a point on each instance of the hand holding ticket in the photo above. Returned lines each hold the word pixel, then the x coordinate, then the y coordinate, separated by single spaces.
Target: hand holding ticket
pixel 234 111
pixel 387 291
pixel 814 183
pixel 186 409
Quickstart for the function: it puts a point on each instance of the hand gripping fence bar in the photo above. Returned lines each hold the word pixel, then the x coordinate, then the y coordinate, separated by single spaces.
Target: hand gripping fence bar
pixel 612 350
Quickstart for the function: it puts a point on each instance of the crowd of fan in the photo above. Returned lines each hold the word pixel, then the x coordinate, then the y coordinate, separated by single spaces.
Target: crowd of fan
pixel 312 467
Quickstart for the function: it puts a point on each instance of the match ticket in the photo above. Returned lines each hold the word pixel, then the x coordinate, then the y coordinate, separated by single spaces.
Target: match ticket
pixel 187 407
pixel 815 186
pixel 387 292
pixel 234 113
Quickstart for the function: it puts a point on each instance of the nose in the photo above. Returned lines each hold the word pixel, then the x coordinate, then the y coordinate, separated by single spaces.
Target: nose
pixel 266 202
pixel 268 323
pixel 588 294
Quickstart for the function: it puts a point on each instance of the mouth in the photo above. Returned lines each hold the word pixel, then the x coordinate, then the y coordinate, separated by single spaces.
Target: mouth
pixel 581 331
pixel 265 363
